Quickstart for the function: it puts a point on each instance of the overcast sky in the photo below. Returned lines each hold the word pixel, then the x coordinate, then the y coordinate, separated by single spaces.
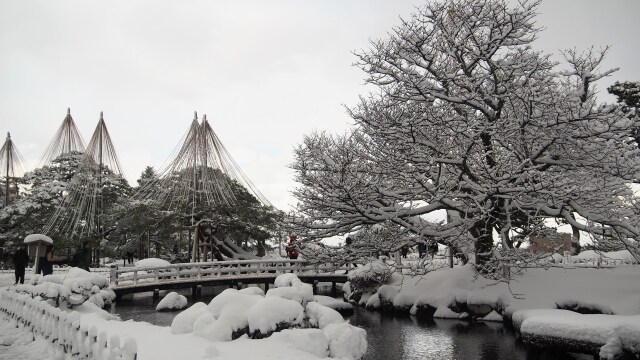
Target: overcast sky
pixel 264 72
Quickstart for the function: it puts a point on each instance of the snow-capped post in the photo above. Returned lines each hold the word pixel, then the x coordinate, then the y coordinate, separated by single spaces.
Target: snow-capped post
pixel 37 246
pixel 113 275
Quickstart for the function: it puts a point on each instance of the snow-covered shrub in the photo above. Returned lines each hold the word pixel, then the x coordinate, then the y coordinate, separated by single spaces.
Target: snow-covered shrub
pixel 183 322
pixel 172 301
pixel 273 314
pixel 309 340
pixel 252 290
pixel 346 341
pixel 72 289
pixel 237 299
pixel 288 279
pixel 369 276
pixel 335 304
pixel 300 294
pixel 289 286
pixel 321 316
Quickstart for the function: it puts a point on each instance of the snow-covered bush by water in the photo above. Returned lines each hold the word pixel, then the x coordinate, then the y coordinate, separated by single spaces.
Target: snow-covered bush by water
pixel 370 275
pixel 238 314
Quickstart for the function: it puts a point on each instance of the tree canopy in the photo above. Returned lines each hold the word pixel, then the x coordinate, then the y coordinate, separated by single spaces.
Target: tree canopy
pixel 470 119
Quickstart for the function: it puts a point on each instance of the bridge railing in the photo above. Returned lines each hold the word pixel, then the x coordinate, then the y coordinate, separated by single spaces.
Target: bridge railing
pixel 127 276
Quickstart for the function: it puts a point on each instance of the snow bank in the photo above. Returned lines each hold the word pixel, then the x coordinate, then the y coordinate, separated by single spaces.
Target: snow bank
pixel 172 301
pixel 309 340
pixel 613 334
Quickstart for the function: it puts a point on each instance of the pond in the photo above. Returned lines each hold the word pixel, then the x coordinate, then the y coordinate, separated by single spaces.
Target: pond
pixel 389 336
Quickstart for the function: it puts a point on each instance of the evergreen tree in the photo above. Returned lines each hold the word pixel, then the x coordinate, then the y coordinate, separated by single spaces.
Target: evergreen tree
pixel 628 94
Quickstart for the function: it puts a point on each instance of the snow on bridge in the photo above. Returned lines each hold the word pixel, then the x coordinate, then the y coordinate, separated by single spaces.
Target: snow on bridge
pixel 127 280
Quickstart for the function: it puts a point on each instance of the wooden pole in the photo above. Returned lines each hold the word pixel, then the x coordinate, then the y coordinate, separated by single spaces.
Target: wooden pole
pixel 6 179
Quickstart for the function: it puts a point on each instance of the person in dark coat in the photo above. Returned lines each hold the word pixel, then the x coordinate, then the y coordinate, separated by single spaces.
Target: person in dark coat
pixel 20 261
pixel 46 262
pixel 82 257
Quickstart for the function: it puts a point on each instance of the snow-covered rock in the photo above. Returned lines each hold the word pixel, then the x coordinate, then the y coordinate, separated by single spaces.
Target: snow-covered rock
pixel 172 301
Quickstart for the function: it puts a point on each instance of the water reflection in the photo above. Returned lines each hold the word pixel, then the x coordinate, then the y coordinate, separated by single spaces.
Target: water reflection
pixel 393 337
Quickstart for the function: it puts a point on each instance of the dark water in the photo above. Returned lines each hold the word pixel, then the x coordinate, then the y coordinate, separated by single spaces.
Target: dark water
pixel 391 337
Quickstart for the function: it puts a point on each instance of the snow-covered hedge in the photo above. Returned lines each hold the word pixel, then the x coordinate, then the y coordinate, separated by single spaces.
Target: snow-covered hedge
pixel 71 289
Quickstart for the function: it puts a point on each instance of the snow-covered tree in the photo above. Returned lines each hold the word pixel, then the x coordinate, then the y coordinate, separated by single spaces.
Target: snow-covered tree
pixel 628 94
pixel 43 189
pixel 49 187
pixel 230 226
pixel 470 119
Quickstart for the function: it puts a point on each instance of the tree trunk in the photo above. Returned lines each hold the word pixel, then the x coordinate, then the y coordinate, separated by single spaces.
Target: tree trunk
pixel 483 234
pixel 575 239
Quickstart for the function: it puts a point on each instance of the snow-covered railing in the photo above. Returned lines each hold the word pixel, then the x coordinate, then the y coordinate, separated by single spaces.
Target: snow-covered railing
pixel 216 269
pixel 69 337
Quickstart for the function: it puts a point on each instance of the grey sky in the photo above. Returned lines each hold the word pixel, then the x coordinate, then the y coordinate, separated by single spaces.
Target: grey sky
pixel 264 72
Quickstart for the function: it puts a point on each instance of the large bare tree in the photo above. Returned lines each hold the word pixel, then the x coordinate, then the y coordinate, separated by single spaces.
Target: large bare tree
pixel 469 118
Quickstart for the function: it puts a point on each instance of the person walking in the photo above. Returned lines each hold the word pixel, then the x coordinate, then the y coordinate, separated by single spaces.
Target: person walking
pixel 20 261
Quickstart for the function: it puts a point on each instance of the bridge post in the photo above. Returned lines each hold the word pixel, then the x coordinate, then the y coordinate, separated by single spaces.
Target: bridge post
pixel 315 286
pixel 266 286
pixel 194 293
pixel 198 291
pixel 156 294
pixel 239 285
pixel 334 291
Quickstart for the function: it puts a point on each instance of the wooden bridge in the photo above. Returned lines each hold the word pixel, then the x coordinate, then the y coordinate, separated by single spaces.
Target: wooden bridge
pixel 128 280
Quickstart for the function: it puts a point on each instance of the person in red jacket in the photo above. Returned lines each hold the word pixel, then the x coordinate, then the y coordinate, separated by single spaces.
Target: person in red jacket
pixel 292 247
